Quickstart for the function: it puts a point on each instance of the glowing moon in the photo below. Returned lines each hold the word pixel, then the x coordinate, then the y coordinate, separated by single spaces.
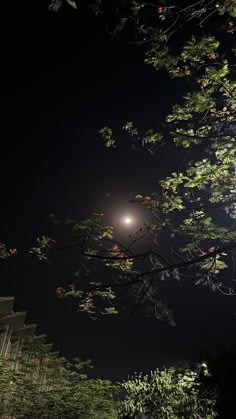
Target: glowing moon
pixel 127 220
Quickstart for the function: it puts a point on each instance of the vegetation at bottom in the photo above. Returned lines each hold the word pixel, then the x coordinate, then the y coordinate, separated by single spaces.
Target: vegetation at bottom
pixel 40 384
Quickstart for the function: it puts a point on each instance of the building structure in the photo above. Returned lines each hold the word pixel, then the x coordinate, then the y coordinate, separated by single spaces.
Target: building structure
pixel 14 331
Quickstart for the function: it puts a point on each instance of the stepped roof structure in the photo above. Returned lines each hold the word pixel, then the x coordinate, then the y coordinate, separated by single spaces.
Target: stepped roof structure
pixel 14 330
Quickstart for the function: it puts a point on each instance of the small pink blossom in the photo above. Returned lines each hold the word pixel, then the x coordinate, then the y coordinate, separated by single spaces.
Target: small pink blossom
pixel 160 9
pixel 187 71
pixel 89 294
pixel 2 245
pixel 115 248
pixel 60 290
pixel 13 251
pixel 212 56
pixel 211 249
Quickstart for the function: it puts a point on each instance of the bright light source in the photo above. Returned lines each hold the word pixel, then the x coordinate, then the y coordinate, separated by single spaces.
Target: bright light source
pixel 127 220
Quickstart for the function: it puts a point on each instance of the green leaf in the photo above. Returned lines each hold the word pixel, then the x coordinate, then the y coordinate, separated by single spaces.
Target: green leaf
pixel 107 136
pixel 72 4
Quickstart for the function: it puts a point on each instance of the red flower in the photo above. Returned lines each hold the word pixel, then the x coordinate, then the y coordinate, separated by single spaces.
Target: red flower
pixel 160 9
pixel 59 290
pixel 115 248
pixel 89 294
pixel 2 245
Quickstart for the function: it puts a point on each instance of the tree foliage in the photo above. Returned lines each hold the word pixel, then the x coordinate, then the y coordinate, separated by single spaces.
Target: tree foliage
pixel 41 385
pixel 195 205
pixel 167 394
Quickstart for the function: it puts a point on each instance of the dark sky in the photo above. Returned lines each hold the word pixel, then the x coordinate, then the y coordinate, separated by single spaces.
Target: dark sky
pixel 62 78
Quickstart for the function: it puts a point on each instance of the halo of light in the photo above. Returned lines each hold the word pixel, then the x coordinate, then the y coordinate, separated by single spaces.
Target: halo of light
pixel 127 220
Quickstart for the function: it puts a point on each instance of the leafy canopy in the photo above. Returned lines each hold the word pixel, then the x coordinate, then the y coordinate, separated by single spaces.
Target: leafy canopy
pixel 167 394
pixel 195 205
pixel 40 384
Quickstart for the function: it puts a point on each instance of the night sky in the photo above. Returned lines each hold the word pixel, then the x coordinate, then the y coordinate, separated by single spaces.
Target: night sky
pixel 63 78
